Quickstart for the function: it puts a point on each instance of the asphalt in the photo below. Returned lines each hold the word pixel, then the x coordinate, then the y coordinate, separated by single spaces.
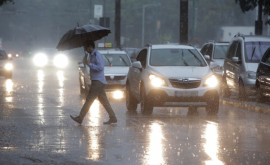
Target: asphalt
pixel 35 127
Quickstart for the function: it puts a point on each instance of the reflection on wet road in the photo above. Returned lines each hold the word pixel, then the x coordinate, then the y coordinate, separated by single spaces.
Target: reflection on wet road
pixel 35 127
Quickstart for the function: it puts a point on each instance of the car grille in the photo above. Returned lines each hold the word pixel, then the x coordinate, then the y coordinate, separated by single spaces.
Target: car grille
pixel 115 77
pixel 186 83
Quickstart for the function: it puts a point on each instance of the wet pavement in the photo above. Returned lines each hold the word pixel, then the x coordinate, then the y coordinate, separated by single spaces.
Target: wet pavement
pixel 35 127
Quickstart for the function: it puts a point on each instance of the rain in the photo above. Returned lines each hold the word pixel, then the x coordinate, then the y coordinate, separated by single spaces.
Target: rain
pixel 135 82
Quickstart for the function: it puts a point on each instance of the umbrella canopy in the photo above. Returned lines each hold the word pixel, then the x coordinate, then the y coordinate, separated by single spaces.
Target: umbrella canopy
pixel 76 37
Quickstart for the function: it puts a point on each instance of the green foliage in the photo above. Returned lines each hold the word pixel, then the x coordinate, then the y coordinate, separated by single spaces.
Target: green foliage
pixel 247 5
pixel 5 1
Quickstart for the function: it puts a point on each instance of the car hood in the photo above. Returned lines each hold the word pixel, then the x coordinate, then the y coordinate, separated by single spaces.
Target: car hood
pixel 182 71
pixel 116 70
pixel 252 66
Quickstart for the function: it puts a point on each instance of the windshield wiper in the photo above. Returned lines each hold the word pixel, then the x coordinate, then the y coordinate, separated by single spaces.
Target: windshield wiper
pixel 196 57
pixel 123 60
pixel 108 60
pixel 253 52
pixel 183 58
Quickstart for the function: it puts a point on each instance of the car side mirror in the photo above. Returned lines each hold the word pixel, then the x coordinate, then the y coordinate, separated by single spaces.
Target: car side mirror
pixel 235 59
pixel 207 57
pixel 136 64
pixel 213 65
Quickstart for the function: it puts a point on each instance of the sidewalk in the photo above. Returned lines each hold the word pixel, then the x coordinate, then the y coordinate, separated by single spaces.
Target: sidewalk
pixel 250 104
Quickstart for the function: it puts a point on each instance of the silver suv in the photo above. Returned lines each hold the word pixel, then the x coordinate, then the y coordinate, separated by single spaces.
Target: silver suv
pixel 241 63
pixel 171 76
pixel 215 52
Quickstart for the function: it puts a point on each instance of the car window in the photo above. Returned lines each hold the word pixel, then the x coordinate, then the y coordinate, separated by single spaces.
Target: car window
pixel 231 51
pixel 266 56
pixel 255 51
pixel 239 51
pixel 204 49
pixel 209 50
pixel 116 60
pixel 176 57
pixel 142 57
pixel 3 54
pixel 220 51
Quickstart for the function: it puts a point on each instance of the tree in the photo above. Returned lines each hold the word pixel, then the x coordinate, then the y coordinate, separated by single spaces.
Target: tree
pixel 5 1
pixel 263 7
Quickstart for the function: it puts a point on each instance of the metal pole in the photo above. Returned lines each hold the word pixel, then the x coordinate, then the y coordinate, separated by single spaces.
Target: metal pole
pixel 183 38
pixel 117 23
pixel 259 22
pixel 143 26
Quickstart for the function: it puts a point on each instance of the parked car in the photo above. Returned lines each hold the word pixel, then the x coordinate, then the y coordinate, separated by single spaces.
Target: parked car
pixel 241 63
pixel 116 65
pixel 215 52
pixel 6 65
pixel 50 57
pixel 263 78
pixel 169 76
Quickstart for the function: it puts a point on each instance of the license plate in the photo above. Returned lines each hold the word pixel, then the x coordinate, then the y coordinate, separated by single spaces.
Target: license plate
pixel 113 82
pixel 186 93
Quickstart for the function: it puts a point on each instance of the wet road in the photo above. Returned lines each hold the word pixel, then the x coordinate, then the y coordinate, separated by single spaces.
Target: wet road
pixel 35 127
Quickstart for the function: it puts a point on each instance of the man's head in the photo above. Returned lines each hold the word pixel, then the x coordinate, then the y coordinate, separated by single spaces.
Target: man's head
pixel 89 46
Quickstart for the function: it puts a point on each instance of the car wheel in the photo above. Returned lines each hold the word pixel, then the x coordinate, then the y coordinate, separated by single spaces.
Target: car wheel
pixel 8 75
pixel 225 91
pixel 212 105
pixel 260 97
pixel 242 92
pixel 130 100
pixel 146 105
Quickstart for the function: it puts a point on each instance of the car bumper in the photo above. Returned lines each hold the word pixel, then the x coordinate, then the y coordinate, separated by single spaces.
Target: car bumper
pixel 250 86
pixel 163 97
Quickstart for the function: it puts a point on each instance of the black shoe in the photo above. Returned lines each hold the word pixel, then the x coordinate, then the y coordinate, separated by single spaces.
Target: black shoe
pixel 112 120
pixel 77 119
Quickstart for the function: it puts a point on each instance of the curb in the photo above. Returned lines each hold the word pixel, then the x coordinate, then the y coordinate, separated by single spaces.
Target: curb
pixel 251 106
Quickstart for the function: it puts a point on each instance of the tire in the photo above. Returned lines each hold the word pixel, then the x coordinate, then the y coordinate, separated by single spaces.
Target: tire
pixel 146 105
pixel 242 93
pixel 131 102
pixel 212 105
pixel 225 91
pixel 8 75
pixel 260 97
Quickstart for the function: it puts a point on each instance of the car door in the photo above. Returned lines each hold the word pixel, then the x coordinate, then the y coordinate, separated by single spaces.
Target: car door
pixel 237 66
pixel 136 74
pixel 229 65
pixel 204 49
pixel 210 51
pixel 264 73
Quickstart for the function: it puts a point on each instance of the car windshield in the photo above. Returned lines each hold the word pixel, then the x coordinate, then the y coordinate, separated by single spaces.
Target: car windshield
pixel 220 51
pixel 176 57
pixel 116 60
pixel 255 51
pixel 3 54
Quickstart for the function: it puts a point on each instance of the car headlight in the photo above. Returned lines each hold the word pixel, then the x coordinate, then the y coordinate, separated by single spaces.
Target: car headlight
pixel 9 55
pixel 251 74
pixel 60 61
pixel 157 81
pixel 8 66
pixel 17 55
pixel 211 81
pixel 118 94
pixel 40 59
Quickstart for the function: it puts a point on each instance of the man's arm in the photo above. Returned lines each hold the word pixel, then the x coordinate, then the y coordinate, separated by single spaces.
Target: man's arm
pixel 100 63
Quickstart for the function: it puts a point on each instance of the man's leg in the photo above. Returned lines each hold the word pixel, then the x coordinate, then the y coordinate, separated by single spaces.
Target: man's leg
pixel 102 97
pixel 94 91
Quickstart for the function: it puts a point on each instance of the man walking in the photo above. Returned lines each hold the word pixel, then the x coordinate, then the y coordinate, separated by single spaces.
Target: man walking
pixel 98 83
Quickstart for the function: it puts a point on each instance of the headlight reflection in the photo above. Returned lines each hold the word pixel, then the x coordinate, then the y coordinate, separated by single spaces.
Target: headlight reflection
pixel 118 94
pixel 9 86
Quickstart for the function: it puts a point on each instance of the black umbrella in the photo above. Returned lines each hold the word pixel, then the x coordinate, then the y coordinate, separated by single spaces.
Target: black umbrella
pixel 76 37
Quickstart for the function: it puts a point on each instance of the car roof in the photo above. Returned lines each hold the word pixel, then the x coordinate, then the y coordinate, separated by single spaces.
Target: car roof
pixel 112 52
pixel 172 47
pixel 250 38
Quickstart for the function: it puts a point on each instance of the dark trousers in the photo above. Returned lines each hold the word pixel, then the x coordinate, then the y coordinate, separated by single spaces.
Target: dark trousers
pixel 97 89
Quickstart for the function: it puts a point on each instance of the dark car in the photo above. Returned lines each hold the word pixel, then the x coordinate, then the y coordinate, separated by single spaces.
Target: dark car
pixel 263 77
pixel 6 66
